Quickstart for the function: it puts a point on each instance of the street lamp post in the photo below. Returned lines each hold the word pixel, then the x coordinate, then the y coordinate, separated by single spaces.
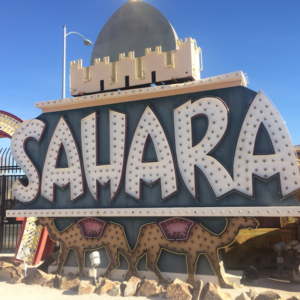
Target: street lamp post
pixel 85 41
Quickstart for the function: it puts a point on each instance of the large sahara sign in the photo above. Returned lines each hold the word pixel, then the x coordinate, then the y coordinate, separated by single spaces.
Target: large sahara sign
pixel 221 148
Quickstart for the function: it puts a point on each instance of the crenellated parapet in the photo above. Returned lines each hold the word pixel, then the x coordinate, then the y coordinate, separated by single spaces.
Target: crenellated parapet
pixel 130 71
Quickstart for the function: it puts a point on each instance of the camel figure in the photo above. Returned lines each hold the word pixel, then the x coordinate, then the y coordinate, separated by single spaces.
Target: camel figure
pixel 192 238
pixel 76 237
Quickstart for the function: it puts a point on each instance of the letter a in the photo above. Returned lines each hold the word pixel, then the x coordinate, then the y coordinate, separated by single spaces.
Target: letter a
pixel 150 172
pixel 104 174
pixel 283 162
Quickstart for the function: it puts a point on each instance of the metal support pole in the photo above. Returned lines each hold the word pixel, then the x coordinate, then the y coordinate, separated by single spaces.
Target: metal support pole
pixel 298 229
pixel 1 236
pixel 3 196
pixel 95 277
pixel 64 64
pixel 85 41
pixel 2 211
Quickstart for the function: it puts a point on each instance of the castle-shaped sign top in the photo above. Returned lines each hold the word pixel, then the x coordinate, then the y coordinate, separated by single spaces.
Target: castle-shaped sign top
pixel 136 47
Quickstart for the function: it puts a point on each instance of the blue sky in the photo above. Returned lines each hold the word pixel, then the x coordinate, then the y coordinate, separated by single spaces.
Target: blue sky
pixel 261 38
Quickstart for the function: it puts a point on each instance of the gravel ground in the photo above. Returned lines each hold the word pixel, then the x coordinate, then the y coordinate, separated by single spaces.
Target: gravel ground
pixel 24 292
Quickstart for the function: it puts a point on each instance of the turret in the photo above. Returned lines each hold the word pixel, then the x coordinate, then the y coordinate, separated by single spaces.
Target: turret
pixel 155 67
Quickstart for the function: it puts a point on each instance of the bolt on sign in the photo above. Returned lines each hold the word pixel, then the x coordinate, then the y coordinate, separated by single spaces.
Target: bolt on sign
pixel 146 155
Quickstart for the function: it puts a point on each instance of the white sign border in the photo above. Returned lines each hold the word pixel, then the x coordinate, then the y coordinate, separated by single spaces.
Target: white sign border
pixel 274 211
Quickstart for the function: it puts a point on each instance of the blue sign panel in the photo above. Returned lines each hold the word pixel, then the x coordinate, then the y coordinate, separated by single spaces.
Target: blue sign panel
pixel 219 148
